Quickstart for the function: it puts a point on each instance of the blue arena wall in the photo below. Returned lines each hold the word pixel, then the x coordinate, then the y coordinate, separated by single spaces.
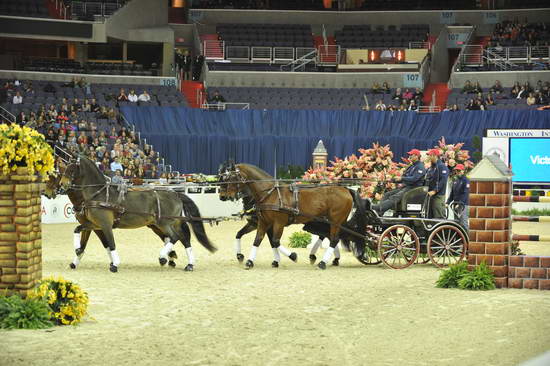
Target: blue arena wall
pixel 193 140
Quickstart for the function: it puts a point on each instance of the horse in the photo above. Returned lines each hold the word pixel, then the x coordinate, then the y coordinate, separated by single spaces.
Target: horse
pixel 282 205
pixel 101 206
pixel 250 214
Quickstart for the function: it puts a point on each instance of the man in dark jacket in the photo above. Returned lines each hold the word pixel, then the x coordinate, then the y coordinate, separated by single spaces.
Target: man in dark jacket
pixel 459 194
pixel 436 178
pixel 412 177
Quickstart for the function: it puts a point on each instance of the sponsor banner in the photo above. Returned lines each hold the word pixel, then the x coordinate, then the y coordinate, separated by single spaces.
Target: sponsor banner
pixel 530 160
pixel 517 133
pixel 497 146
pixel 58 210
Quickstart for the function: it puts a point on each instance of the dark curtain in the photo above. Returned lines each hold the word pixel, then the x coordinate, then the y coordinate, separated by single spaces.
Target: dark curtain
pixel 193 141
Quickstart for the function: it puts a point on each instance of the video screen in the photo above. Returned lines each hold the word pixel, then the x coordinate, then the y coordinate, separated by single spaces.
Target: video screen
pixel 530 160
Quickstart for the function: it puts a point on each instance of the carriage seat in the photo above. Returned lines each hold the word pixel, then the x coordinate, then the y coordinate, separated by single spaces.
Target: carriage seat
pixel 412 201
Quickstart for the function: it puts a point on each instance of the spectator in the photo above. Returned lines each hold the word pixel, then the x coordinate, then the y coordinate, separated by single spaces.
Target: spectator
pixel 522 93
pixel 477 88
pixel 132 97
pixel 376 89
pixel 117 178
pixel 122 96
pixel 94 107
pixel 397 95
pixel 17 98
pixel 489 100
pixel 385 88
pixel 408 95
pixel 217 98
pixel 86 106
pixel 76 107
pixel 115 165
pixel 531 99
pixel 413 106
pixel 497 88
pixel 144 97
pixel 468 88
pixel 21 119
pixel 380 106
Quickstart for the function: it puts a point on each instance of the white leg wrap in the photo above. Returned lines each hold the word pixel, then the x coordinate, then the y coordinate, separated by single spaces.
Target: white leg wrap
pixel 116 258
pixel 328 254
pixel 109 255
pixel 190 255
pixel 276 255
pixel 166 249
pixel 253 252
pixel 316 246
pixel 76 240
pixel 284 251
pixel 237 246
pixel 337 252
pixel 76 260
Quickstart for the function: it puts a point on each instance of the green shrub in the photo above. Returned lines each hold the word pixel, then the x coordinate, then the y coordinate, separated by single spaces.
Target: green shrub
pixel 18 313
pixel 481 278
pixel 449 278
pixel 299 239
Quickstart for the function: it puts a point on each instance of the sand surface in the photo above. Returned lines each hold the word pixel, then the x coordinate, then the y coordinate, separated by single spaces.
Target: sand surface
pixel 295 315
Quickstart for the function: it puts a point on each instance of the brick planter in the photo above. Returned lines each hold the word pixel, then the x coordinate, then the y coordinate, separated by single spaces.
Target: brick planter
pixel 20 232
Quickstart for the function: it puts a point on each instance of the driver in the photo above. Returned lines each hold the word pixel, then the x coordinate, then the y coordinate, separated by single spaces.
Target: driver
pixel 412 177
pixel 459 194
pixel 436 180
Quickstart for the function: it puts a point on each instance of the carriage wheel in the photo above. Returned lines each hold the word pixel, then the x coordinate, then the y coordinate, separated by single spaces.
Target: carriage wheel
pixel 370 257
pixel 398 246
pixel 446 245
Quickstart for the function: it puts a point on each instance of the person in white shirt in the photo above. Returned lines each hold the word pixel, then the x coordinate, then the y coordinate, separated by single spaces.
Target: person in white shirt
pixel 132 97
pixel 380 106
pixel 144 97
pixel 17 98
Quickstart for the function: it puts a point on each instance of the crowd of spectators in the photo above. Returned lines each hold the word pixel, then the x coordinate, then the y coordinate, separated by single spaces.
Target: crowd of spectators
pixel 115 149
pixel 538 95
pixel 515 33
pixel 402 99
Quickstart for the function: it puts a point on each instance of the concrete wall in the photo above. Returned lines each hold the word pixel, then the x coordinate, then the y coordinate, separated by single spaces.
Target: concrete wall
pixel 302 79
pixel 137 14
pixel 335 20
pixel 440 58
pixel 507 78
pixel 185 31
pixel 94 79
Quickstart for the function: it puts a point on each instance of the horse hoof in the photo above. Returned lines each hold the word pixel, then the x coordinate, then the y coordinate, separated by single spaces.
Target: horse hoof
pixel 240 257
pixel 322 265
pixel 72 265
pixel 275 264
pixel 249 264
pixel 172 264
pixel 163 261
pixel 336 262
pixel 188 268
pixel 293 257
pixel 173 254
pixel 78 251
pixel 312 259
pixel 113 268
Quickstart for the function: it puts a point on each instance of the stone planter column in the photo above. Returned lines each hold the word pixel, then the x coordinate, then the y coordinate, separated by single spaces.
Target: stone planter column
pixel 20 232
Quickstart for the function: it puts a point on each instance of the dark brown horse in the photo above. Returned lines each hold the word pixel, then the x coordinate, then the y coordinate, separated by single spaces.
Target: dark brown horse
pixel 101 206
pixel 280 205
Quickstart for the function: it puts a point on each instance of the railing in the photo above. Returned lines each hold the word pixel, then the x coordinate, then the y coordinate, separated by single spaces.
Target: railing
pixel 79 8
pixel 496 59
pixel 237 53
pixel 419 45
pixel 524 54
pixel 261 54
pixel 283 54
pixel 328 55
pixel 300 62
pixel 224 106
pixel 472 55
pixel 60 8
pixel 213 50
pixel 428 109
pixel 7 115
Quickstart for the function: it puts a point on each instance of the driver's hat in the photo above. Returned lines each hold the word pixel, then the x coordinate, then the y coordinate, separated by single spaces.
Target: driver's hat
pixel 414 152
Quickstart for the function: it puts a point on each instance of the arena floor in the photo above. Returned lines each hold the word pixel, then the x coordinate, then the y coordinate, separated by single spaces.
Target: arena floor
pixel 295 315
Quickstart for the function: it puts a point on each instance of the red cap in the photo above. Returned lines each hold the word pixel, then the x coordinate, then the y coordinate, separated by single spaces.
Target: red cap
pixel 414 152
pixel 459 167
pixel 435 152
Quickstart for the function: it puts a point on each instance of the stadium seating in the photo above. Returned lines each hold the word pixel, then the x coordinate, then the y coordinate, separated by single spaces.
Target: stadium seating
pixel 26 8
pixel 89 9
pixel 367 36
pixel 266 35
pixel 74 67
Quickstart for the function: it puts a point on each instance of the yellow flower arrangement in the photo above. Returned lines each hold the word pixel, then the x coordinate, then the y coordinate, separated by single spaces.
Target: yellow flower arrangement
pixel 68 303
pixel 24 147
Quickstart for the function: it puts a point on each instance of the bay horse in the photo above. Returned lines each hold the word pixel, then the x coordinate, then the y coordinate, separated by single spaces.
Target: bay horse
pixel 250 214
pixel 280 205
pixel 101 206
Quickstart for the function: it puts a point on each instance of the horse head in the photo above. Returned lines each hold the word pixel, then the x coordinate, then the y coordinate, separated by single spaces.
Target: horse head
pixel 69 175
pixel 230 181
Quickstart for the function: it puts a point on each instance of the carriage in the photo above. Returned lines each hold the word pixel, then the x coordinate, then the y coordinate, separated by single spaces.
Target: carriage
pixel 409 236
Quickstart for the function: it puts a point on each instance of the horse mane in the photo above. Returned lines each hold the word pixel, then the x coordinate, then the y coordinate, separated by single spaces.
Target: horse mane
pixel 92 167
pixel 262 173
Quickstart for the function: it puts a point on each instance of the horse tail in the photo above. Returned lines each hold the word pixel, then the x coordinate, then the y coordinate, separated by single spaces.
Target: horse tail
pixel 357 223
pixel 191 210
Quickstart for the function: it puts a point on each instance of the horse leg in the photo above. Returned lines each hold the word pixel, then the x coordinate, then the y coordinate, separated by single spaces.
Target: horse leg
pixel 103 240
pixel 249 227
pixel 276 255
pixel 277 233
pixel 314 248
pixel 80 240
pixel 331 249
pixel 171 254
pixel 336 260
pixel 260 233
pixel 185 238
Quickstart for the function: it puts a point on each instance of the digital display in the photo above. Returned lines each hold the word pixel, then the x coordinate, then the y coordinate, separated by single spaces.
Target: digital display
pixel 530 160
